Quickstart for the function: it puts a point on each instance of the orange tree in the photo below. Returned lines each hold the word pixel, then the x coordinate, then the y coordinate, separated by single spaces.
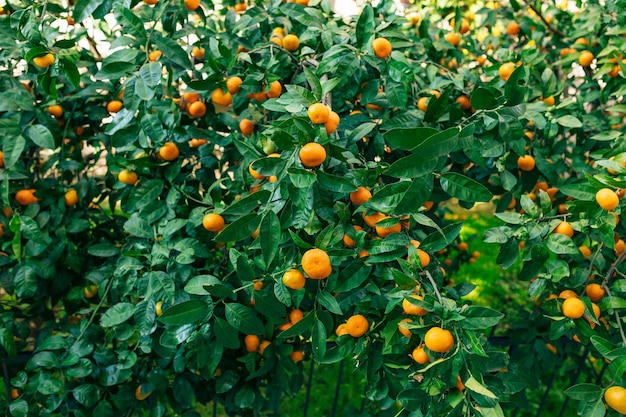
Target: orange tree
pixel 197 196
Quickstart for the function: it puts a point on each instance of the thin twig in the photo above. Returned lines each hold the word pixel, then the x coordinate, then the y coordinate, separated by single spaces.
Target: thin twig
pixel 608 275
pixel 432 282
pixel 593 258
pixel 93 47
pixel 545 22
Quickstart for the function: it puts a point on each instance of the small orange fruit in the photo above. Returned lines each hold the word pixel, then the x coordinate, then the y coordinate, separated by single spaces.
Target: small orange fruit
pixel 114 106
pixel 71 197
pixel 139 394
pixel 584 251
pixel 158 308
pixel 196 143
pixel 233 84
pixel 564 228
pixel 291 42
pixel 192 5
pixel 607 199
pixel 246 126
pixel 372 219
pixel 154 55
pixel 312 154
pixel 219 97
pixel 382 47
pixel 275 90
pixel 420 356
pixel 360 196
pixel 169 151
pixel 332 123
pixel 14 393
pixel 316 264
pixel 263 345
pixel 573 308
pixel 197 52
pixel 347 240
pixel 565 294
pixel 506 70
pixel 424 258
pixel 439 340
pixel 55 110
pixel 26 197
pixel 357 325
pixel 294 279
pixel 213 222
pixel 513 29
pixel 44 61
pixel 410 308
pixel 90 291
pixel 463 246
pixel 386 231
pixel 295 315
pixel 526 163
pixel 452 38
pixel 403 330
pixel 341 330
pixel 595 292
pixel 422 103
pixel 586 58
pixel 196 109
pixel 252 342
pixel 296 355
pixel 615 398
pixel 318 113
pixel 464 102
pixel 240 7
pixel 127 177
pixel 191 96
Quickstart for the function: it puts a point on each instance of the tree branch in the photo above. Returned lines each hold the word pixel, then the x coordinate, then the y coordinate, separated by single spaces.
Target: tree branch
pixel 545 22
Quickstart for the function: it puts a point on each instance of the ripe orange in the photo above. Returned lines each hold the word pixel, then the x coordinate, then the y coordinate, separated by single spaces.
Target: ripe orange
pixel 420 356
pixel 219 97
pixel 506 70
pixel 463 246
pixel 410 308
pixel 139 394
pixel 258 285
pixel 357 325
pixel 439 340
pixel 595 292
pixel 296 355
pixel 386 231
pixel 295 316
pixel 584 251
pixel 192 5
pixel 275 89
pixel 526 163
pixel 151 2
pixel 332 123
pixel 196 143
pixel 14 393
pixel 26 197
pixel 127 177
pixel 372 219
pixel 316 264
pixel 90 291
pixel 154 55
pixel 360 196
pixel 294 279
pixel 615 398
pixel 246 126
pixel 55 110
pixel 114 106
pixel 382 47
pixel 169 151
pixel 464 102
pixel 404 331
pixel 234 84
pixel 453 38
pixel 565 294
pixel 191 96
pixel 252 342
pixel 465 26
pixel 513 29
pixel 277 40
pixel 1 159
pixel 341 330
pixel 213 222
pixel 607 199
pixel 620 246
pixel 264 344
pixel 71 197
pixel 312 154
pixel 549 101
pixel 573 308
pixel 347 240
pixel 44 61
pixel 240 7
pixel 158 308
pixel 291 42
pixel 424 258
pixel 255 174
pixel 196 109
pixel 422 103
pixel 585 59
pixel 318 113
pixel 564 228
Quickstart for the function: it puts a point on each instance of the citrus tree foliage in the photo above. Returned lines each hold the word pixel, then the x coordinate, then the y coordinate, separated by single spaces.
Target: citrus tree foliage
pixel 123 125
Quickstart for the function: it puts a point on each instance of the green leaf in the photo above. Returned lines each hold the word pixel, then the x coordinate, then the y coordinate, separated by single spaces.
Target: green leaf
pixel 87 394
pixel 561 244
pixel 187 312
pixel 136 226
pixel 299 328
pixel 117 314
pixel 150 73
pixel 248 203
pixel 437 145
pixel 318 339
pixel 593 409
pixel 84 8
pixel 464 188
pixel 240 229
pixel 173 52
pixel 483 98
pixel 411 166
pixel 195 285
pixel 120 121
pixel 270 237
pixel 243 319
pixel 103 250
pixel 440 239
pixel 412 398
pixel 584 392
pixel 569 121
pixel 18 408
pixel 365 26
pixel 301 178
pixel 407 138
pixel 480 317
pixel 226 334
pixel 473 385
pixel 13 150
pixel 41 136
pixel 314 82
pixel 131 23
pixel 335 183
pixel 602 345
pixel 328 301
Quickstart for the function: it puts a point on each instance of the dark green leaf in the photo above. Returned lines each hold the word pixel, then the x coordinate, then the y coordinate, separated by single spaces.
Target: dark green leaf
pixel 464 188
pixel 117 314
pixel 41 136
pixel 243 319
pixel 270 237
pixel 187 312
